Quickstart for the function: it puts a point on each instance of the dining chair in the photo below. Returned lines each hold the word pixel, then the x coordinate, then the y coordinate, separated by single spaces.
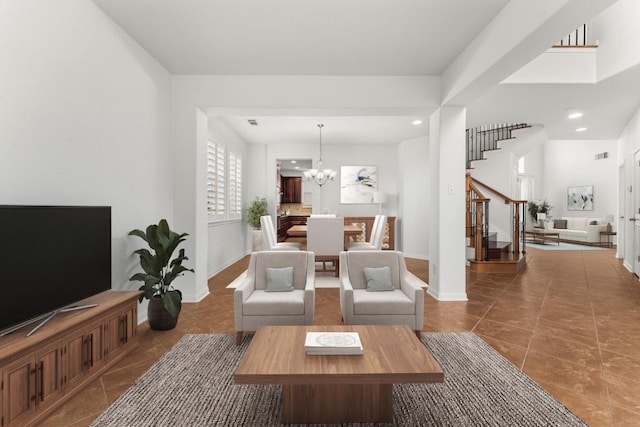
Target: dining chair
pixel 270 238
pixel 325 238
pixel 376 238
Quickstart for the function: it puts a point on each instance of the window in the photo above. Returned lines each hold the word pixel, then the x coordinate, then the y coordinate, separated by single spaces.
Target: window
pixel 224 183
pixel 215 181
pixel 235 186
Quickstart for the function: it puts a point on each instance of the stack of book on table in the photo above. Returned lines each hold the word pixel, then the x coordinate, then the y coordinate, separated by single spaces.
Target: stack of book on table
pixel 332 343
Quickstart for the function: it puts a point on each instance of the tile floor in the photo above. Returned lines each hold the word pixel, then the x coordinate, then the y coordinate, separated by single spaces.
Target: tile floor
pixel 571 321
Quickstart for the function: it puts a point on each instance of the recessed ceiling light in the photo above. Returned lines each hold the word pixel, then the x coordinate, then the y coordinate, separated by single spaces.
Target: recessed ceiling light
pixel 573 114
pixel 581 129
pixel 293 161
pixel 297 167
pixel 416 122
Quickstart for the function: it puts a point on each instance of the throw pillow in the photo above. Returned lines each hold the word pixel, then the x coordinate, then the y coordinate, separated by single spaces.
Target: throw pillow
pixel 560 224
pixel 594 222
pixel 279 279
pixel 378 279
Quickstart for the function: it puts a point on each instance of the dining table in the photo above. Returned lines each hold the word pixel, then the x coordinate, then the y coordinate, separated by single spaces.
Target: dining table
pixel 301 230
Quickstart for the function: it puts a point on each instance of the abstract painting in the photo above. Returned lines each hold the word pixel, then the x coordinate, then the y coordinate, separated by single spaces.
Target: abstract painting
pixel 580 198
pixel 357 184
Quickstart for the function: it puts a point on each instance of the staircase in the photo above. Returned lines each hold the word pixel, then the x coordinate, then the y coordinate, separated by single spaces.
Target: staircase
pixel 486 138
pixel 497 249
pixel 490 254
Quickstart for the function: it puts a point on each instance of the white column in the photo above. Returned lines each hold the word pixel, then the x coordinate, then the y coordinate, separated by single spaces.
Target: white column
pixel 447 213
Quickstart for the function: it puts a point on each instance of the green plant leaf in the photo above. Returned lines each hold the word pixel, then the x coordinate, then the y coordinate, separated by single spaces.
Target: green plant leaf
pixel 138 233
pixel 138 277
pixel 172 302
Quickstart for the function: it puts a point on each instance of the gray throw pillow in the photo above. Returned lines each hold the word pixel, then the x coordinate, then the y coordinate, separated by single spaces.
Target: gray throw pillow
pixel 560 224
pixel 279 279
pixel 378 279
pixel 594 222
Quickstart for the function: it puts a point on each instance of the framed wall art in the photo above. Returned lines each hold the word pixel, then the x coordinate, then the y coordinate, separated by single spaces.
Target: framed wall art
pixel 580 198
pixel 358 183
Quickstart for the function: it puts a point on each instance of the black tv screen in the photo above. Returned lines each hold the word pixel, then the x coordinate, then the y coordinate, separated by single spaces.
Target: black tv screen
pixel 51 257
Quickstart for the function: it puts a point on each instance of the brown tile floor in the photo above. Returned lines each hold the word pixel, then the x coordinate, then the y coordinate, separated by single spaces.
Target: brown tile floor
pixel 571 321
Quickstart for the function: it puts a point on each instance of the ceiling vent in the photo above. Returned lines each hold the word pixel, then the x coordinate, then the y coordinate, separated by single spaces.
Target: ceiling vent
pixel 601 156
pixel 253 122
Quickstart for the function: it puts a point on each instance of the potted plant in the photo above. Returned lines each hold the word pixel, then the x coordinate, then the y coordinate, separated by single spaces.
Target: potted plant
pixel 256 209
pixel 160 270
pixel 538 207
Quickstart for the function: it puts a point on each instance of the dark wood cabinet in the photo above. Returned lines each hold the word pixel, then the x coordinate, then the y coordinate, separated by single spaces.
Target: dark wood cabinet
pixel 291 189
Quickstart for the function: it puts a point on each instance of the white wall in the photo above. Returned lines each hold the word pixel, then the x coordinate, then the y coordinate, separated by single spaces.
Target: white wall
pixel 413 199
pixel 384 156
pixel 572 163
pixel 616 30
pixel 85 116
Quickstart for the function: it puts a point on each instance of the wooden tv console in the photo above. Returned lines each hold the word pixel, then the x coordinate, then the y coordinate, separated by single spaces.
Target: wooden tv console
pixel 40 372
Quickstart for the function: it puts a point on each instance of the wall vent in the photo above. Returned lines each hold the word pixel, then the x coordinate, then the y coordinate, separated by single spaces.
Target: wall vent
pixel 253 122
pixel 601 156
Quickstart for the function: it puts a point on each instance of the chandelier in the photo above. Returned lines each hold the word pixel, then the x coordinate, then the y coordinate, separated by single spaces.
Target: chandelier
pixel 320 175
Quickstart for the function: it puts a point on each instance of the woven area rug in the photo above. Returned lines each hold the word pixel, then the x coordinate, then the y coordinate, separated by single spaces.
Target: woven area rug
pixel 192 385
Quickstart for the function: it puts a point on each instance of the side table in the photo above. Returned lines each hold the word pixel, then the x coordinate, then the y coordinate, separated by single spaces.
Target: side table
pixel 608 234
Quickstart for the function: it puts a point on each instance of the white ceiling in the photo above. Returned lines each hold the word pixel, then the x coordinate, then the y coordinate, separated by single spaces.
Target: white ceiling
pixel 358 37
pixel 303 37
pixel 336 130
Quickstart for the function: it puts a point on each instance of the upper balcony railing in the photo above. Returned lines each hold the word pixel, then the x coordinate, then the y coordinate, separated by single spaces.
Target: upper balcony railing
pixel 577 38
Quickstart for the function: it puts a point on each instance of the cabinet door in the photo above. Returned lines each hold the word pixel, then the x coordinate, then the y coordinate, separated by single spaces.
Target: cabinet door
pixel 291 189
pixel 48 375
pixel 19 390
pixel 95 354
pixel 296 196
pixel 75 358
pixel 84 352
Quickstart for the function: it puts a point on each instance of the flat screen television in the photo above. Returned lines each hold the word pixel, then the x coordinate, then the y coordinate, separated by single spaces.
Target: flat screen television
pixel 50 258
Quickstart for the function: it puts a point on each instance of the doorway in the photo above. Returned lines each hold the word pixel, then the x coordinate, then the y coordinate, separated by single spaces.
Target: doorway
pixel 294 194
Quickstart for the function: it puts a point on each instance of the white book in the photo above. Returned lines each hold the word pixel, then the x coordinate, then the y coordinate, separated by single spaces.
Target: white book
pixel 333 343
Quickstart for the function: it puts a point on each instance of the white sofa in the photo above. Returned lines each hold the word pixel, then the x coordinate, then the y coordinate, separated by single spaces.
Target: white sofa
pixel 580 230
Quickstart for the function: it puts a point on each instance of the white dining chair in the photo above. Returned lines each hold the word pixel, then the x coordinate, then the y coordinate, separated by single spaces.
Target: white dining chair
pixel 325 238
pixel 270 238
pixel 376 238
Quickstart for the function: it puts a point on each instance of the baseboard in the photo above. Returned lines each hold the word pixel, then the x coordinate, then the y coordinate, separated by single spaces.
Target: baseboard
pixel 452 296
pixel 414 256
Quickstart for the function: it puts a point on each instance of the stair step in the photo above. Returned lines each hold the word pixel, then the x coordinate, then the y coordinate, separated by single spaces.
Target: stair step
pixel 494 244
pixel 496 249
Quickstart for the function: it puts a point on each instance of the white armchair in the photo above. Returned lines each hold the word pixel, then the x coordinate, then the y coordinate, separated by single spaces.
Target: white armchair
pixel 325 238
pixel 256 302
pixel 271 239
pixel 403 304
pixel 376 238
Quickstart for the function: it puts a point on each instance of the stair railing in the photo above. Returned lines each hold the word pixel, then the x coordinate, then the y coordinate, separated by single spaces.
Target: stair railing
pixel 477 217
pixel 577 38
pixel 477 220
pixel 486 138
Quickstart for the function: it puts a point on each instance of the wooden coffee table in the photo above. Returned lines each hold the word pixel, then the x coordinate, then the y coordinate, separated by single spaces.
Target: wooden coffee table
pixel 541 235
pixel 334 389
